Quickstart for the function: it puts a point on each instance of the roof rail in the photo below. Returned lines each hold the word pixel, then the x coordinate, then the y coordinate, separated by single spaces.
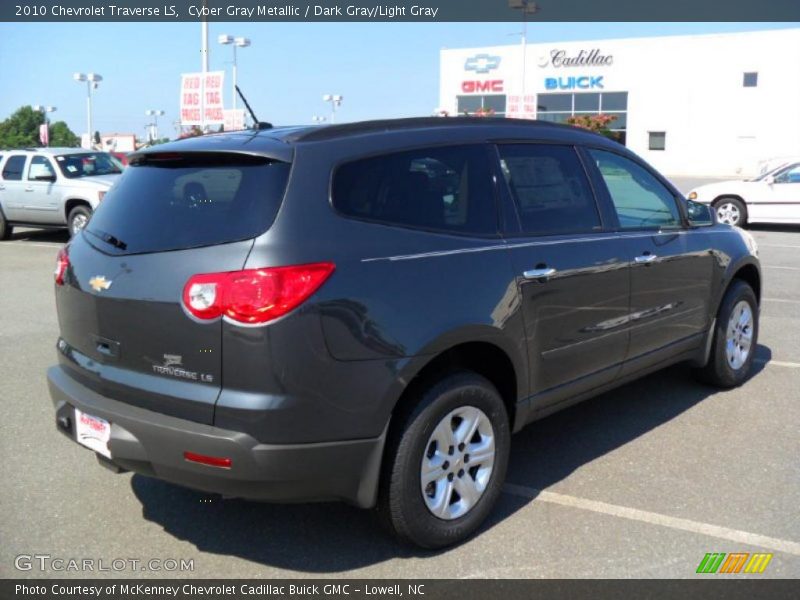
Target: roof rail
pixel 333 131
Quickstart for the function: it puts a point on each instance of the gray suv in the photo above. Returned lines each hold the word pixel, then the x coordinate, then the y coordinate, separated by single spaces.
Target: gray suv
pixel 367 312
pixel 53 187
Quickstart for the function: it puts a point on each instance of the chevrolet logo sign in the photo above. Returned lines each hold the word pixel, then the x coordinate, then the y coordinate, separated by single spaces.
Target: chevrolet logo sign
pixel 99 283
pixel 482 63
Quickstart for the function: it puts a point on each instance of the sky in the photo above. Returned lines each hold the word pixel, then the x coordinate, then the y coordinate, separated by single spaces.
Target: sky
pixel 381 69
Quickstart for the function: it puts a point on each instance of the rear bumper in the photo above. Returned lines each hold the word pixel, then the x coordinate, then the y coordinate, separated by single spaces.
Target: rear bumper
pixel 153 444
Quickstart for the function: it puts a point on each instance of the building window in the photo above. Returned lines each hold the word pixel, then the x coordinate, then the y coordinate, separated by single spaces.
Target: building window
pixel 559 107
pixel 658 140
pixel 750 80
pixel 495 104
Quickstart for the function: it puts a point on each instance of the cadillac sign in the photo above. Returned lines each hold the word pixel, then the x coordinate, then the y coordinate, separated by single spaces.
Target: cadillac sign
pixel 584 58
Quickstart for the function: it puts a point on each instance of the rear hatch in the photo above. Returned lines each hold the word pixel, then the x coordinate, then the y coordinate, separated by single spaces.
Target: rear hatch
pixel 124 330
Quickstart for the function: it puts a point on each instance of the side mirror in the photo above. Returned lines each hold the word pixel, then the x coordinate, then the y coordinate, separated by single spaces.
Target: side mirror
pixel 769 179
pixel 700 215
pixel 45 177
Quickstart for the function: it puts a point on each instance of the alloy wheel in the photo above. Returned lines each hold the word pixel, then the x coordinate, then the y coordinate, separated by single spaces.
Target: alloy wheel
pixel 728 213
pixel 739 337
pixel 458 463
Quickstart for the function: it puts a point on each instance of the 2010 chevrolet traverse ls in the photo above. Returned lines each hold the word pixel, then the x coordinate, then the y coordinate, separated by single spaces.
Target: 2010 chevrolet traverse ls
pixel 366 312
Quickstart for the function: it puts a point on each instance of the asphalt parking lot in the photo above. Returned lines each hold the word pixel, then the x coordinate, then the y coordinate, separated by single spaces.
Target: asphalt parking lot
pixel 639 482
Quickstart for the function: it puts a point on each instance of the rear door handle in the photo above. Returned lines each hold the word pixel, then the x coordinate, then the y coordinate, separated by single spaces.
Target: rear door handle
pixel 645 258
pixel 29 189
pixel 542 273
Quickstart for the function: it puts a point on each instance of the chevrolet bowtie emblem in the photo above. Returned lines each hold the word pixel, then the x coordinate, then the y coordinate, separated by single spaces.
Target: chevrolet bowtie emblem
pixel 99 283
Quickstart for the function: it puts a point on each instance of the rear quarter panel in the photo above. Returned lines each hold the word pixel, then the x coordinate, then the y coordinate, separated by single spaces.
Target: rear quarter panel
pixel 397 298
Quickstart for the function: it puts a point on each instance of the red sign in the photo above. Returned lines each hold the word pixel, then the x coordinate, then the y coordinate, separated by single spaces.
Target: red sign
pixel 476 87
pixel 198 96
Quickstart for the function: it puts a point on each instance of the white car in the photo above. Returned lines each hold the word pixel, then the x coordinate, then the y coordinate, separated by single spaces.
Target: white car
pixel 53 187
pixel 773 197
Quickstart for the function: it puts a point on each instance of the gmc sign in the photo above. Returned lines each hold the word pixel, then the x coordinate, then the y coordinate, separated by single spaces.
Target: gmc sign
pixel 475 87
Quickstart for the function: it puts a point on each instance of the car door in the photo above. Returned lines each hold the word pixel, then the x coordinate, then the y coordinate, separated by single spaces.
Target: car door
pixel 572 273
pixel 781 203
pixel 671 265
pixel 12 187
pixel 42 200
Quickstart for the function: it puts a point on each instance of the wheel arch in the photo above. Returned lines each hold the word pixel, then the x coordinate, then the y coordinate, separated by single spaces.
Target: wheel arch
pixel 71 203
pixel 751 275
pixel 747 270
pixel 487 358
pixel 721 197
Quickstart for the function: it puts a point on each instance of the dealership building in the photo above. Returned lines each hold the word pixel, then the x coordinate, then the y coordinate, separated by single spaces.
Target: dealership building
pixel 698 105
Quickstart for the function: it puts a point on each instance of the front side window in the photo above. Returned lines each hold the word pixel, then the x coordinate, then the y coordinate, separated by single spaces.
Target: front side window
pixel 550 188
pixel 87 164
pixel 447 188
pixel 641 200
pixel 40 169
pixel 789 175
pixel 12 171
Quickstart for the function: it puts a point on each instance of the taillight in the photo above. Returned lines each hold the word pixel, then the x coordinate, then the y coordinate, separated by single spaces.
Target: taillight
pixel 253 296
pixel 62 264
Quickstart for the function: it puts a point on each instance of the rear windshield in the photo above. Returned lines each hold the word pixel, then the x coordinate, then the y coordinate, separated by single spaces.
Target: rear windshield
pixel 174 202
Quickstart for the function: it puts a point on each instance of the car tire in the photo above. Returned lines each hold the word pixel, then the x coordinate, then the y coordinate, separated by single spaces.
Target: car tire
pixel 731 211
pixel 6 229
pixel 465 490
pixel 77 219
pixel 735 338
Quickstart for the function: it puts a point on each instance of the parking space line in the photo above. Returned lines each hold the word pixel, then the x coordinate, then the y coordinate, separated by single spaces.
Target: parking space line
pixel 786 300
pixel 777 245
pixel 777 267
pixel 777 363
pixel 34 244
pixel 644 516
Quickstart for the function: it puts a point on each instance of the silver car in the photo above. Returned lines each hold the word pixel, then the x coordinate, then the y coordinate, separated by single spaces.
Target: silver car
pixel 53 187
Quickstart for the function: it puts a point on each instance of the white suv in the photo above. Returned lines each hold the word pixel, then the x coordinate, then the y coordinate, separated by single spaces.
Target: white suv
pixel 53 187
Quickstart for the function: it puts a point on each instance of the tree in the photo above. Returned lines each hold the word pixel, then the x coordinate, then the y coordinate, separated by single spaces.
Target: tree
pixel 21 129
pixel 61 135
pixel 597 123
pixel 195 131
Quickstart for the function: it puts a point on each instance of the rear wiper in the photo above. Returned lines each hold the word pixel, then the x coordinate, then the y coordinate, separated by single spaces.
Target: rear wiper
pixel 109 239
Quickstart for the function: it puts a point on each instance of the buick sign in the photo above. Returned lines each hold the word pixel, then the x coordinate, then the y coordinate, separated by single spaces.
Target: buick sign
pixel 574 83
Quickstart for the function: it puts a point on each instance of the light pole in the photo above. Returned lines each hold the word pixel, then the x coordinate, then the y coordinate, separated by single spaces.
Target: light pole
pixel 92 81
pixel 528 7
pixel 236 42
pixel 319 120
pixel 40 108
pixel 336 102
pixel 154 125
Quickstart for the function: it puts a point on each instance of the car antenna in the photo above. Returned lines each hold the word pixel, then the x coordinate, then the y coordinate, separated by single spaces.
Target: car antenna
pixel 257 125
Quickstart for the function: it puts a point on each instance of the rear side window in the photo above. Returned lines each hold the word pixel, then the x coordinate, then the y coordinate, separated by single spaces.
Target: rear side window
pixel 12 171
pixel 641 200
pixel 173 202
pixel 550 188
pixel 444 188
